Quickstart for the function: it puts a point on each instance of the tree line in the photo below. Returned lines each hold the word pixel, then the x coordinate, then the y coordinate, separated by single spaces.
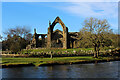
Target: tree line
pixel 16 39
pixel 95 33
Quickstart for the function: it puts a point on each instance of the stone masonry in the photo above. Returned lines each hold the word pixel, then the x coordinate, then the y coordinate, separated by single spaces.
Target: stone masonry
pixel 54 39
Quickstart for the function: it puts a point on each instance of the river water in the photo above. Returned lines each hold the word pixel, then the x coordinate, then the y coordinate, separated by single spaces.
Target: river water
pixel 100 70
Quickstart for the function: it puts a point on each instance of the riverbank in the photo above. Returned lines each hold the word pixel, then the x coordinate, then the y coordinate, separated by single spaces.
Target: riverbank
pixel 18 62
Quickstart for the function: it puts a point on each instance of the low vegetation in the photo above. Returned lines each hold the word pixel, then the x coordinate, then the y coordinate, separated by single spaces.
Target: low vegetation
pixel 58 60
pixel 63 52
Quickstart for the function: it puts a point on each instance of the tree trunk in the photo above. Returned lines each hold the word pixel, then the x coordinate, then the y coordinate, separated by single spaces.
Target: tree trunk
pixel 98 52
pixel 51 54
pixel 95 53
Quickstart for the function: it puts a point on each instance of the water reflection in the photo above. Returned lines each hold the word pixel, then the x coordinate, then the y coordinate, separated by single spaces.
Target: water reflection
pixel 100 70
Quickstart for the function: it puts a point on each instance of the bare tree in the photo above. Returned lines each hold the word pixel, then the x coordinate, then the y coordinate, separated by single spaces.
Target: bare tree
pixel 18 31
pixel 96 32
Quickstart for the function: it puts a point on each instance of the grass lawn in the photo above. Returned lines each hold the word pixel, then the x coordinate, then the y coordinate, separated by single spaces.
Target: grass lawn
pixel 42 61
pixel 56 50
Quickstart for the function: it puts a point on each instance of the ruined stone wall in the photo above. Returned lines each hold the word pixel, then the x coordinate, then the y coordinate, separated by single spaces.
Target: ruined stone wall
pixel 50 34
pixel 55 39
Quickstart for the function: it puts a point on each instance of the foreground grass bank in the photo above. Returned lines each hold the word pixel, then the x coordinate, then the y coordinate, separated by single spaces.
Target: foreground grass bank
pixel 12 62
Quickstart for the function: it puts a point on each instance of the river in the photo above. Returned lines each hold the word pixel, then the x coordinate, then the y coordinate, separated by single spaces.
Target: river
pixel 100 70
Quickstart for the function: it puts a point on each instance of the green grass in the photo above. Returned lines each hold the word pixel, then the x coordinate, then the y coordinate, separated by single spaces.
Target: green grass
pixel 56 50
pixel 41 61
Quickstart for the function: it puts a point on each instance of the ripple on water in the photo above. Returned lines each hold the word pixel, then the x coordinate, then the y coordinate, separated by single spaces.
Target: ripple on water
pixel 100 70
